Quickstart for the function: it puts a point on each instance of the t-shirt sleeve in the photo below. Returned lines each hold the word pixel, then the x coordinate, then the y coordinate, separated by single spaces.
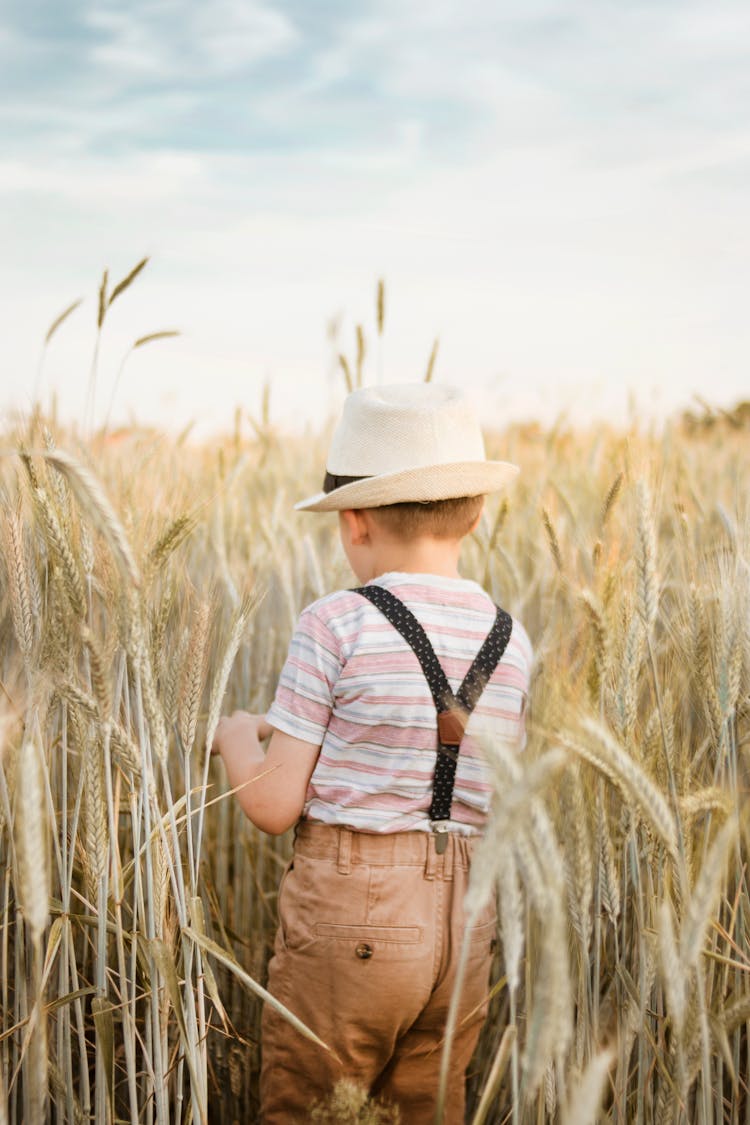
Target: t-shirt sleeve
pixel 304 697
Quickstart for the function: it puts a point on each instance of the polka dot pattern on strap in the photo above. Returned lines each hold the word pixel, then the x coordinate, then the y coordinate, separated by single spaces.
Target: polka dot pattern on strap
pixel 465 699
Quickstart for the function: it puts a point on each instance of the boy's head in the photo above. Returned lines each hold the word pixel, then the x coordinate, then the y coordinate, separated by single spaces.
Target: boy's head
pixel 407 444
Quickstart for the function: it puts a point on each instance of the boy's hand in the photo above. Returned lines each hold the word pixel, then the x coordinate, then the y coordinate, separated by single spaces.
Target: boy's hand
pixel 276 798
pixel 241 732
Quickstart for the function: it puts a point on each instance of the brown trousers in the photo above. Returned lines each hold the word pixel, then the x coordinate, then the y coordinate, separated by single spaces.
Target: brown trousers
pixel 370 932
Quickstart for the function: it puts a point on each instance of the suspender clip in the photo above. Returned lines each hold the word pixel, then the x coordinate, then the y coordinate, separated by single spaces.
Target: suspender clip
pixel 441 830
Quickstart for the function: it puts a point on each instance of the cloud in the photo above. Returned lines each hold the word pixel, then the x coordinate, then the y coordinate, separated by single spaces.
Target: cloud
pixel 438 83
pixel 104 185
pixel 175 40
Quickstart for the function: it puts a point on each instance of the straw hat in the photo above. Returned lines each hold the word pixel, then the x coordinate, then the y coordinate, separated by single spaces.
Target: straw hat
pixel 412 441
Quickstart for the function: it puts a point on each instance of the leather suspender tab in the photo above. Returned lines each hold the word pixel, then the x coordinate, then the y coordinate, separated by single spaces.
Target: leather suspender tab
pixel 451 726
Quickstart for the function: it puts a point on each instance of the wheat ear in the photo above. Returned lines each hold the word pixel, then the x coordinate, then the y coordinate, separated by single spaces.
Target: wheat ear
pixel 93 501
pixel 30 833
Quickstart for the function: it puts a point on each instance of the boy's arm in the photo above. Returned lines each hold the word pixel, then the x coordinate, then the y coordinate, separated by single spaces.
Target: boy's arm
pixel 274 801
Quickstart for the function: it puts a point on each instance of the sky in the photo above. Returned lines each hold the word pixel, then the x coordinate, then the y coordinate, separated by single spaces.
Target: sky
pixel 557 191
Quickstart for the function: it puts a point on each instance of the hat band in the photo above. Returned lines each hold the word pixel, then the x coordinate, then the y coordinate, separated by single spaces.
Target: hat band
pixel 333 482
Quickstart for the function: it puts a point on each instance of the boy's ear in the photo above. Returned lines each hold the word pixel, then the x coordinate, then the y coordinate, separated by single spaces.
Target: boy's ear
pixel 356 525
pixel 480 513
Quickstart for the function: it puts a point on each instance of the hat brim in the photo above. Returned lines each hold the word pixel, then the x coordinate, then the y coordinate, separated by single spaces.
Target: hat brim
pixel 421 484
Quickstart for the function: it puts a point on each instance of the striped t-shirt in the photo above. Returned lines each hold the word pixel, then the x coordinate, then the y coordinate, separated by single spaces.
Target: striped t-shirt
pixel 352 685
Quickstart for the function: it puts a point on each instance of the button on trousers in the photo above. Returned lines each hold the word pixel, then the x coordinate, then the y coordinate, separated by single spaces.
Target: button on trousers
pixel 369 938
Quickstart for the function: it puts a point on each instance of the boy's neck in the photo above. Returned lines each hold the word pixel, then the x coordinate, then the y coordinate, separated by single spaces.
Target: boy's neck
pixel 373 549
pixel 418 556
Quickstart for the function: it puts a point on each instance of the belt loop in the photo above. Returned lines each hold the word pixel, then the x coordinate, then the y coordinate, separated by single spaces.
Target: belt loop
pixel 450 856
pixel 430 866
pixel 344 857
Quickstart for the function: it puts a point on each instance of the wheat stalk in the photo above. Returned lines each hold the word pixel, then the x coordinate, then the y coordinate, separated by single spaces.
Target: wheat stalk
pixel 236 633
pixel 607 872
pixel 578 859
pixel 96 832
pixel 30 835
pixel 511 912
pixel 99 673
pixel 618 765
pixel 586 1098
pixel 18 583
pixel 193 676
pixel 95 504
pixel 176 533
pixel 648 583
pixel 552 540
pixel 611 497
pixel 62 552
pixel 673 970
pixel 704 894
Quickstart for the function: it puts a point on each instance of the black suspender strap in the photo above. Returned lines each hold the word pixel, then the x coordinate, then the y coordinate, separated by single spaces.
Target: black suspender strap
pixel 452 710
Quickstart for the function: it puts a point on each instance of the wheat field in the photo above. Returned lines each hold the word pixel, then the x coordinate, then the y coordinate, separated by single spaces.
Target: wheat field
pixel 148 584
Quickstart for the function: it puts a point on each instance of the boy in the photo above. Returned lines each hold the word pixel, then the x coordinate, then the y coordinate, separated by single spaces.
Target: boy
pixel 370 761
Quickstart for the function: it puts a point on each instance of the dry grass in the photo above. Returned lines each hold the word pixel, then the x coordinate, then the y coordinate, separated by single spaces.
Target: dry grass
pixel 146 586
